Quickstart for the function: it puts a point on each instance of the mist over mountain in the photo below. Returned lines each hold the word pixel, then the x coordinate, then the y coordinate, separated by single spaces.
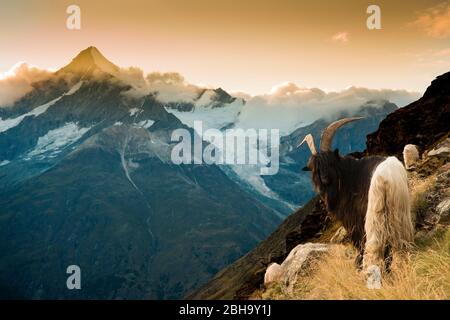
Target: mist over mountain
pixel 18 82
pixel 289 106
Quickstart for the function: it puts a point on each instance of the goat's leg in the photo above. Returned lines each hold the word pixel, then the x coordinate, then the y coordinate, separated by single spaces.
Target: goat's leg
pixel 359 260
pixel 372 261
pixel 388 257
pixel 375 228
pixel 360 257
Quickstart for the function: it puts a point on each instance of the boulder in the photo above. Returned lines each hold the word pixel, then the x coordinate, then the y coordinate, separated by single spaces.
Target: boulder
pixel 443 148
pixel 443 208
pixel 273 274
pixel 410 156
pixel 296 264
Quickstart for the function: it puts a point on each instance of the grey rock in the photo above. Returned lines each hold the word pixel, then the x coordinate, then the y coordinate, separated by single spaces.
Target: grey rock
pixel 443 208
pixel 296 263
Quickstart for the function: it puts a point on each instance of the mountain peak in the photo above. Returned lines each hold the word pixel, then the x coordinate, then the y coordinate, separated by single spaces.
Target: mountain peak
pixel 90 60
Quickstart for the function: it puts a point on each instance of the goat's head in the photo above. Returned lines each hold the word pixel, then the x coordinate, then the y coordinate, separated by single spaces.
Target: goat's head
pixel 324 164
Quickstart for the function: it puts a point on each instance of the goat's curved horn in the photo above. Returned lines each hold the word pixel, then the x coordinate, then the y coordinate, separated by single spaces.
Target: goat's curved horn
pixel 327 136
pixel 309 139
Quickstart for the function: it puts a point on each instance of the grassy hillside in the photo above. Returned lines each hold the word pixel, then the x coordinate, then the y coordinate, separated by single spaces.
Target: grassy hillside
pixel 422 273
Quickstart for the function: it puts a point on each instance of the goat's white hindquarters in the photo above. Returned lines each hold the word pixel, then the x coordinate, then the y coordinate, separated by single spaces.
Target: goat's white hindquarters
pixel 388 218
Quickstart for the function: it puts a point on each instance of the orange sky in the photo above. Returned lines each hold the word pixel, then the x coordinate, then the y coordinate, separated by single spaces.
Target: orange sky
pixel 249 46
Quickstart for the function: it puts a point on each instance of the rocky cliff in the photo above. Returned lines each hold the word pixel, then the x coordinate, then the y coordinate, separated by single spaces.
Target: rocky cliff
pixel 422 123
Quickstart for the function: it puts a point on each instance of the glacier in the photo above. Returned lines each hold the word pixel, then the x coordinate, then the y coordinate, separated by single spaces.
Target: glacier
pixel 54 140
pixel 212 118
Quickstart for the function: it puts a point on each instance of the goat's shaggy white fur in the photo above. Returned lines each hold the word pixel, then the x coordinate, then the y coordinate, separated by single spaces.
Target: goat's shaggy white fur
pixel 388 218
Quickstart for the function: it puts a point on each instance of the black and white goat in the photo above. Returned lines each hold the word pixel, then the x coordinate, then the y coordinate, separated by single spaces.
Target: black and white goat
pixel 369 196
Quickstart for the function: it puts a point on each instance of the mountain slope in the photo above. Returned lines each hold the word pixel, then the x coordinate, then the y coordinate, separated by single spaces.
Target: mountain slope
pixel 169 226
pixel 240 279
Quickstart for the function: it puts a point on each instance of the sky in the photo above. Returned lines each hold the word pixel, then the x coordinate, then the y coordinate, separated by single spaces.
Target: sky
pixel 247 45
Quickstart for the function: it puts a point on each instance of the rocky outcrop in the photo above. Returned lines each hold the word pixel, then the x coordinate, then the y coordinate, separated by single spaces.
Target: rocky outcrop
pixel 296 265
pixel 421 123
pixel 435 202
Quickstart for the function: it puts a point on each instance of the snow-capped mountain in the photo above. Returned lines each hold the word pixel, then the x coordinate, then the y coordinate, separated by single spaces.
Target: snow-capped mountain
pixel 214 107
pixel 90 61
pixel 86 179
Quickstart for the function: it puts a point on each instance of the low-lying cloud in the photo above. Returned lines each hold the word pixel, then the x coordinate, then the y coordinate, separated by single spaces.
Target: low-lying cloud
pixel 16 83
pixel 288 106
pixel 169 87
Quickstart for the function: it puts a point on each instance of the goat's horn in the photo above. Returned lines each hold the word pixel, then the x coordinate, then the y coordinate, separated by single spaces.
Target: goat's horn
pixel 309 139
pixel 327 136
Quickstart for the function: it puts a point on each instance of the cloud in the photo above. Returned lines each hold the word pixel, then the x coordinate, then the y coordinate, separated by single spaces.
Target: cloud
pixel 172 87
pixel 169 87
pixel 240 94
pixel 134 77
pixel 285 107
pixel 435 21
pixel 166 78
pixel 16 82
pixel 289 106
pixel 342 37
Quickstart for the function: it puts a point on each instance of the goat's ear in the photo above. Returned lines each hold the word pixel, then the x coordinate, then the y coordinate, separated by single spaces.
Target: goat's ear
pixel 306 169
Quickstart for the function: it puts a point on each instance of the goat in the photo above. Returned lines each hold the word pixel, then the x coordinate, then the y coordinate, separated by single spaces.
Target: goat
pixel 369 196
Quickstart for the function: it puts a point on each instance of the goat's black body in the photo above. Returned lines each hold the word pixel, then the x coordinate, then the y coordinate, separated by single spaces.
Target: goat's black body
pixel 343 184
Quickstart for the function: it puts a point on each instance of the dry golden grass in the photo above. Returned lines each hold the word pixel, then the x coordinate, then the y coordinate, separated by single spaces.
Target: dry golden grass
pixel 422 274
pixel 419 189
